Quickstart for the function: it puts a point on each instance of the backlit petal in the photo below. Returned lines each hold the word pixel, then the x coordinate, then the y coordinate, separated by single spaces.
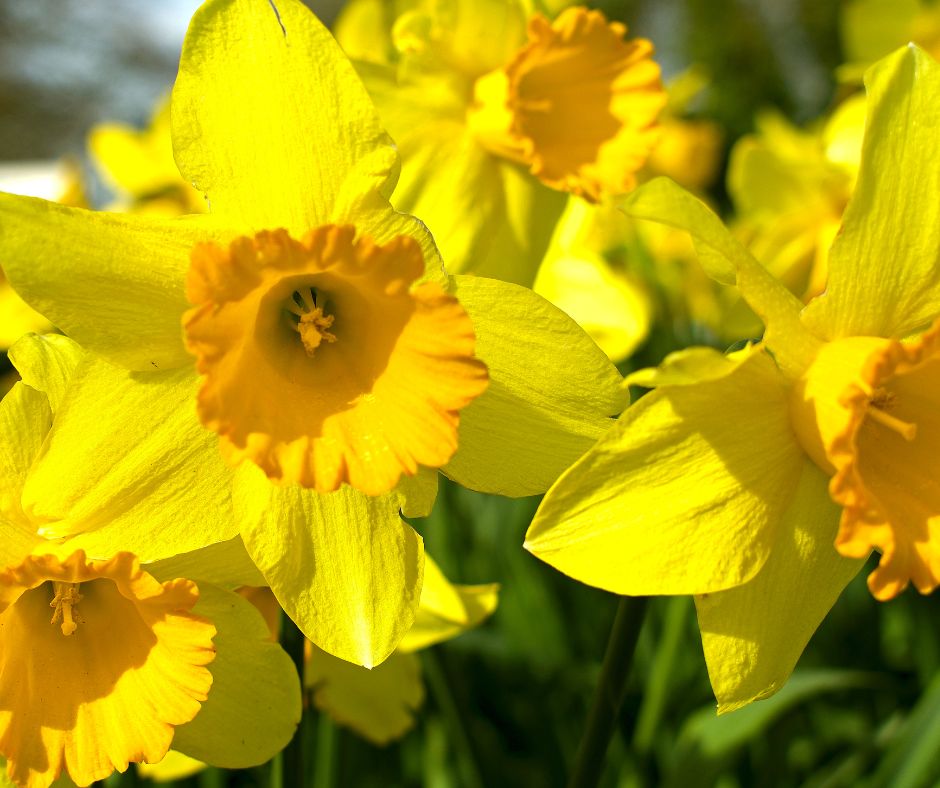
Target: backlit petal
pixel 552 392
pixel 728 262
pixel 754 634
pixel 378 704
pixel 447 609
pixel 343 565
pixel 884 266
pixel 112 282
pixel 684 494
pixel 139 472
pixel 270 120
pixel 254 705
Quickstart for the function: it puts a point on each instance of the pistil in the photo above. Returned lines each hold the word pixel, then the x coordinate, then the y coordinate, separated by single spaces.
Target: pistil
pixel 66 597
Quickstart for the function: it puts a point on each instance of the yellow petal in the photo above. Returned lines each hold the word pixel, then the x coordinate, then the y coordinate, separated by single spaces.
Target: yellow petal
pixel 140 473
pixel 551 395
pixel 47 363
pixel 754 634
pixel 884 274
pixel 175 766
pixel 342 565
pixel 138 163
pixel 488 216
pixel 688 367
pixel 25 419
pixel 418 492
pixel 270 120
pixel 16 316
pixel 122 662
pixel 322 364
pixel 614 310
pixel 684 495
pixel 446 610
pixel 254 705
pixel 224 564
pixel 378 704
pixel 112 282
pixel 728 262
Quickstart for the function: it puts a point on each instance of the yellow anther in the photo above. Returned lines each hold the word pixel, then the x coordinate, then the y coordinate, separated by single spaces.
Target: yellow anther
pixel 312 328
pixel 66 597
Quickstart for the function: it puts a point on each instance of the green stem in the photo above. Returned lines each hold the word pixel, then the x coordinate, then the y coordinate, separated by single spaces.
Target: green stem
pixel 660 680
pixel 608 698
pixel 292 759
pixel 324 768
pixel 453 722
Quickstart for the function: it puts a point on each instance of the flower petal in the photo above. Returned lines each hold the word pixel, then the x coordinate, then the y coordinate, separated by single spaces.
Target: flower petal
pixel 112 282
pixel 884 270
pixel 25 418
pixel 139 475
pixel 343 565
pixel 16 316
pixel 254 703
pixel 684 495
pixel 224 564
pixel 754 634
pixel 271 121
pixel 446 609
pixel 47 363
pixel 726 261
pixel 378 704
pixel 544 407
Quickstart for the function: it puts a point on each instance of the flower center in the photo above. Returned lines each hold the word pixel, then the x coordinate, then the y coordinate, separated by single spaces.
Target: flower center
pixel 577 104
pixel 65 598
pixel 308 319
pixel 867 412
pixel 382 401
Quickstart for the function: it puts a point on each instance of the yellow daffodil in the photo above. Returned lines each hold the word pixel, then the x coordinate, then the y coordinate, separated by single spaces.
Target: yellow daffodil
pixel 593 270
pixel 789 189
pixel 761 481
pixel 330 345
pixel 138 164
pixel 494 107
pixel 103 662
pixel 610 302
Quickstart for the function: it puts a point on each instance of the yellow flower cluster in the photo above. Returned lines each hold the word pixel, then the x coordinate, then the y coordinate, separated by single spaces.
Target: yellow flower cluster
pixel 328 278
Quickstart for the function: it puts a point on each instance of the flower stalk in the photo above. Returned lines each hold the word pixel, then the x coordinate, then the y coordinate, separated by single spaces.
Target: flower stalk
pixel 608 698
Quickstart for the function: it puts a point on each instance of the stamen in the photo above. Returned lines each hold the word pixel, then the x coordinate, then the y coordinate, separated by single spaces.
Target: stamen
pixel 309 299
pixel 902 428
pixel 66 597
pixel 312 328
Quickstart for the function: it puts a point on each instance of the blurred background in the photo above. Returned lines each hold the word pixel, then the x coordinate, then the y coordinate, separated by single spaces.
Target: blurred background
pixel 506 702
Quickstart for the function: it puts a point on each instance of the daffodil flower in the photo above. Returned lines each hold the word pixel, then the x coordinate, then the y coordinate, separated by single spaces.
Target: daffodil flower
pixel 790 188
pixel 105 662
pixel 330 346
pixel 495 109
pixel 761 481
pixel 138 165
